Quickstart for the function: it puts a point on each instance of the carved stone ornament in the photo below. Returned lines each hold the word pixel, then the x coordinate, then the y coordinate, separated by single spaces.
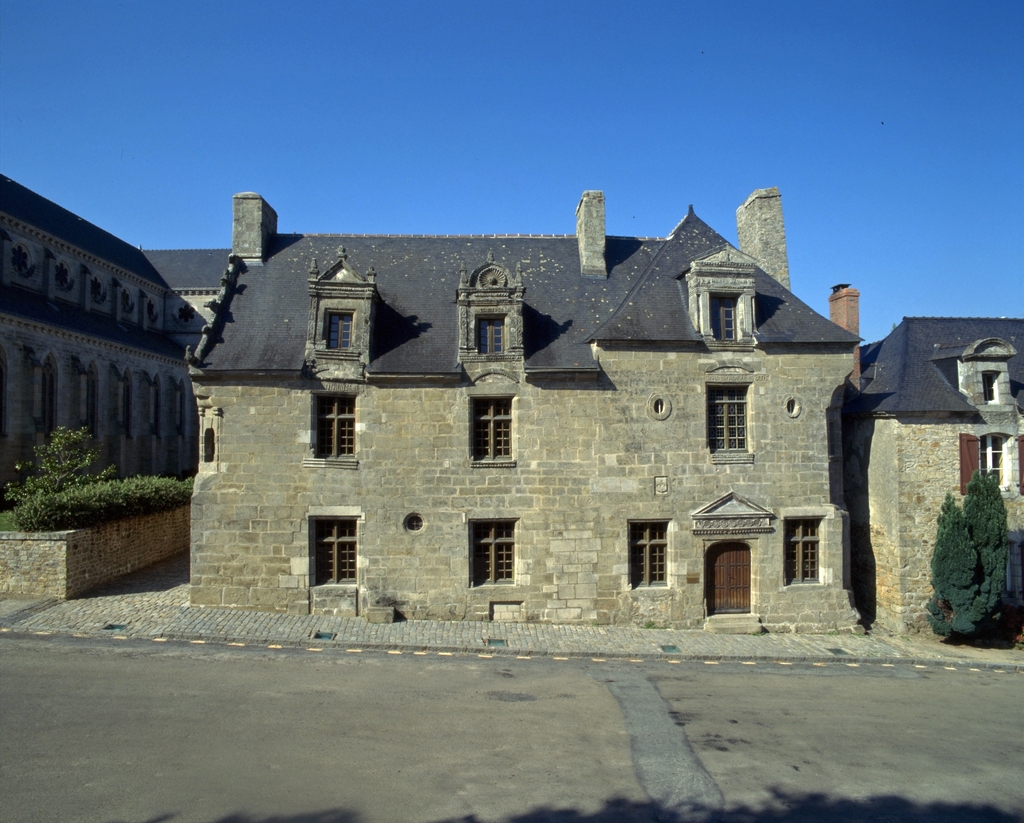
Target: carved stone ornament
pixel 734 515
pixel 21 261
pixel 62 277
pixel 186 314
pixel 127 304
pixel 151 311
pixel 97 290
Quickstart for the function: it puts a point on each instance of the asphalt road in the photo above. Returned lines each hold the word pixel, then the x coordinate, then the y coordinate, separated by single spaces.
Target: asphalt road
pixel 101 731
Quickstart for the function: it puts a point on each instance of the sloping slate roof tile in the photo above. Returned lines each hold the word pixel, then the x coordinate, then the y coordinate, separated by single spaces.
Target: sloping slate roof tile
pixel 912 366
pixel 28 207
pixel 31 306
pixel 190 268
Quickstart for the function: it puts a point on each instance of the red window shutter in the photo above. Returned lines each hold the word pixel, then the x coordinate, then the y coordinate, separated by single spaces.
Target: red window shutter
pixel 969 461
pixel 1020 463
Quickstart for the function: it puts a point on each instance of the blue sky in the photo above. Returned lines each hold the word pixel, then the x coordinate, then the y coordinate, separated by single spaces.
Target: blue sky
pixel 895 131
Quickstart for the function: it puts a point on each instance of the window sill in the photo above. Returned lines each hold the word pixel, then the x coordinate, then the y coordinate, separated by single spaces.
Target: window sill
pixel 488 584
pixel 345 586
pixel 493 464
pixel 797 584
pixel 728 457
pixel 330 463
pixel 652 588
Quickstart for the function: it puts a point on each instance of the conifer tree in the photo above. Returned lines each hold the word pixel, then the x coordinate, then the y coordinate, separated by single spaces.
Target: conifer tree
pixel 954 566
pixel 985 515
pixel 969 561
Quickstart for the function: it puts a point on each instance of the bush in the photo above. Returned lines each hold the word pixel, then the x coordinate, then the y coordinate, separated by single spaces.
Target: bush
pixel 80 506
pixel 969 562
pixel 64 463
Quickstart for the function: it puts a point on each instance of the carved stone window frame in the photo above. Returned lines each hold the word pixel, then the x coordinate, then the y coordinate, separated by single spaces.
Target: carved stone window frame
pixel 726 273
pixel 340 290
pixel 490 292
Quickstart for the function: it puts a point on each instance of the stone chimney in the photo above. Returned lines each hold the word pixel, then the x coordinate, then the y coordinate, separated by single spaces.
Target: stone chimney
pixel 844 311
pixel 590 234
pixel 255 222
pixel 762 234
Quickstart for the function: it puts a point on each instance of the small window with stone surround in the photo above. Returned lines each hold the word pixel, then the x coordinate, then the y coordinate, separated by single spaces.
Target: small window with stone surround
pixel 723 317
pixel 339 331
pixel 648 551
pixel 334 547
pixel 990 386
pixel 801 550
pixel 335 426
pixel 727 418
pixel 490 335
pixel 492 428
pixel 493 552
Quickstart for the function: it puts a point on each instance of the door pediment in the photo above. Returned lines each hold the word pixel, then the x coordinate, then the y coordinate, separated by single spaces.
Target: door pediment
pixel 732 514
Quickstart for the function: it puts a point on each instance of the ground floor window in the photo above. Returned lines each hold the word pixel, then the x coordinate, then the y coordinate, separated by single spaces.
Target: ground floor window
pixel 802 550
pixel 335 550
pixel 494 551
pixel 648 547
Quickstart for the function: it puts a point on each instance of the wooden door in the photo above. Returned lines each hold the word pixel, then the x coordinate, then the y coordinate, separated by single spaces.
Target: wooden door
pixel 728 579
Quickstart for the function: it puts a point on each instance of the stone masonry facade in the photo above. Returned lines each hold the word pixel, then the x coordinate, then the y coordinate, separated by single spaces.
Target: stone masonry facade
pixel 589 458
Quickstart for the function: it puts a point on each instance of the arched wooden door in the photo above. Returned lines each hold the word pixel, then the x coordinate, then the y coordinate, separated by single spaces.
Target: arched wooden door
pixel 728 579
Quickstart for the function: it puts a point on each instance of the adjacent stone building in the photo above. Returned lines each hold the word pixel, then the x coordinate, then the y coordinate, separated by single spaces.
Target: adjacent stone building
pixel 90 335
pixel 569 428
pixel 940 398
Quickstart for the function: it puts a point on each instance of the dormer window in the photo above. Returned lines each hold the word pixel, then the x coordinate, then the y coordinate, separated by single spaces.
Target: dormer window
pixel 721 297
pixel 723 317
pixel 490 335
pixel 990 386
pixel 339 331
pixel 490 306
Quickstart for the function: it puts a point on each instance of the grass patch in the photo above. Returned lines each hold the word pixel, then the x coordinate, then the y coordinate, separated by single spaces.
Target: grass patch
pixel 7 521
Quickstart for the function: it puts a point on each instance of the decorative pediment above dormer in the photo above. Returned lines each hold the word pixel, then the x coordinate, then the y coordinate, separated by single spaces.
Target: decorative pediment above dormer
pixel 991 348
pixel 720 285
pixel 490 306
pixel 732 515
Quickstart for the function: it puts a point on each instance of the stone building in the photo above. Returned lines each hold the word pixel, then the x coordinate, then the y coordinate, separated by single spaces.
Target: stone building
pixel 90 335
pixel 941 397
pixel 557 428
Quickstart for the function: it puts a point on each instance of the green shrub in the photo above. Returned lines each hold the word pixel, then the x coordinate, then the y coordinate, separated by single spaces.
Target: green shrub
pixel 64 462
pixel 969 562
pixel 81 506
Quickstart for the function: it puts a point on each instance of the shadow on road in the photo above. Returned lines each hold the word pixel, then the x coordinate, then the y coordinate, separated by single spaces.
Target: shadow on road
pixel 787 808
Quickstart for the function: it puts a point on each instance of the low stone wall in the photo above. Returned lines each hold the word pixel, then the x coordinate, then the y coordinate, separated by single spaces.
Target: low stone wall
pixel 67 564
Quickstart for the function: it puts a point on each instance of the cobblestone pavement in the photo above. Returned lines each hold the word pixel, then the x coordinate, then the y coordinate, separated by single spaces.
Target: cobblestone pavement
pixel 153 604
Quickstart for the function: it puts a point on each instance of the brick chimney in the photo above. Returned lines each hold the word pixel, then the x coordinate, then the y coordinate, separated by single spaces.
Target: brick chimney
pixel 590 234
pixel 844 311
pixel 762 234
pixel 255 223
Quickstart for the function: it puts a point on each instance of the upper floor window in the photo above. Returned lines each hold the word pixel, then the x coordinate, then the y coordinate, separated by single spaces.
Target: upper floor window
pixel 492 428
pixel 990 386
pixel 801 559
pixel 48 396
pixel 126 405
pixel 490 335
pixel 335 426
pixel 723 317
pixel 990 456
pixel 339 331
pixel 727 418
pixel 648 545
pixel 92 394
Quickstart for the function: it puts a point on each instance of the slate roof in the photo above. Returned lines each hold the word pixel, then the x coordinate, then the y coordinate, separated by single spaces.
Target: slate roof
pixel 28 207
pixel 415 331
pixel 914 368
pixel 186 269
pixel 70 317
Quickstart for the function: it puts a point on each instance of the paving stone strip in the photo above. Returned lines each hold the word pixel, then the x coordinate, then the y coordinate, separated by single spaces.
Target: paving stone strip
pixel 154 604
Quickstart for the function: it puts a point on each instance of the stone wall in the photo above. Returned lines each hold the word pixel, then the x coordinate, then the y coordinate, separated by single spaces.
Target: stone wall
pixel 67 564
pixel 589 456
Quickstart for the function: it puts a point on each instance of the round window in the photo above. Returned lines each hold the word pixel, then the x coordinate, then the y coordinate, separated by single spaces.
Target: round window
pixel 793 407
pixel 413 523
pixel 659 407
